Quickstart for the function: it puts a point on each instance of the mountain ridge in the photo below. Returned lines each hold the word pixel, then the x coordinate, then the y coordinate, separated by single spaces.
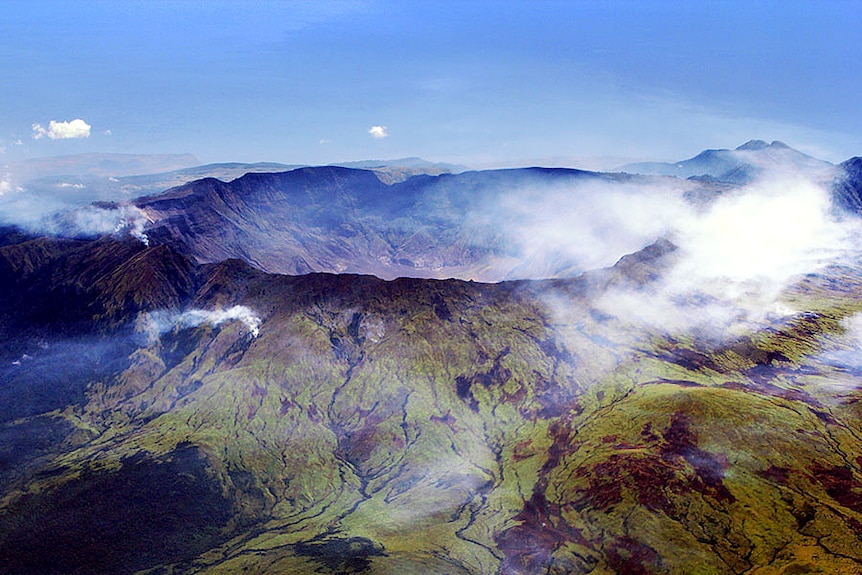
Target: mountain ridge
pixel 316 440
pixel 742 165
pixel 344 220
pixel 169 406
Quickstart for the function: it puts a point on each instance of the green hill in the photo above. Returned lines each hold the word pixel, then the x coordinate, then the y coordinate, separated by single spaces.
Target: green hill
pixel 355 425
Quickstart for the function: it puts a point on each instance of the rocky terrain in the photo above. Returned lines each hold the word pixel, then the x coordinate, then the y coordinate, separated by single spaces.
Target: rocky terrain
pixel 473 225
pixel 174 406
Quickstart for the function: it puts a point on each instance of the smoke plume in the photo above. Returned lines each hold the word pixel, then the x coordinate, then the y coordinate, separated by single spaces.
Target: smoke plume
pixel 159 322
pixel 69 212
pixel 96 220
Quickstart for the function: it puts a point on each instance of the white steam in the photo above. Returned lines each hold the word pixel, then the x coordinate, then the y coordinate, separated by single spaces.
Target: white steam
pixel 40 212
pixel 735 255
pixel 96 220
pixel 159 322
pixel 736 258
pixel 561 230
pixel 767 233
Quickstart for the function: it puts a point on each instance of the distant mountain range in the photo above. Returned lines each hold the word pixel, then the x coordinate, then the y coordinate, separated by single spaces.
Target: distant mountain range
pixel 347 220
pixel 471 225
pixel 742 165
pixel 63 182
pixel 99 164
pixel 185 392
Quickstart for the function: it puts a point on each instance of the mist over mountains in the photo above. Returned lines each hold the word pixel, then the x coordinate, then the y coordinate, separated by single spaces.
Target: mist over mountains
pixel 742 165
pixel 390 221
pixel 34 190
pixel 401 369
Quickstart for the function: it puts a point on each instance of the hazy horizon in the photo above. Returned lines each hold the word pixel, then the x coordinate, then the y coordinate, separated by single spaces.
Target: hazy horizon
pixel 476 83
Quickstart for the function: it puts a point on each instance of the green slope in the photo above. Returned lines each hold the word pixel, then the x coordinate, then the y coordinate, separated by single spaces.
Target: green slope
pixel 422 426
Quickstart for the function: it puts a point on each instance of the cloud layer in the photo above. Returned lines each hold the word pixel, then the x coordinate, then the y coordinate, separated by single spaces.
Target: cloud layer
pixel 560 230
pixel 77 128
pixel 39 212
pixel 738 248
pixel 737 256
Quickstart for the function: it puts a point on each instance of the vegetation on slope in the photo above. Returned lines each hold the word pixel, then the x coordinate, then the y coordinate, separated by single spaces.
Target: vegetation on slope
pixel 422 426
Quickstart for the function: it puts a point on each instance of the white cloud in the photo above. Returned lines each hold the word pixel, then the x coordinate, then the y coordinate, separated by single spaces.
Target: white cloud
pixel 378 132
pixel 736 253
pixel 77 128
pixel 582 226
pixel 17 142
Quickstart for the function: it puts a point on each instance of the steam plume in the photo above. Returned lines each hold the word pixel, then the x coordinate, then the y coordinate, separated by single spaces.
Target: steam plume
pixel 159 322
pixel 96 220
pixel 735 256
pixel 67 214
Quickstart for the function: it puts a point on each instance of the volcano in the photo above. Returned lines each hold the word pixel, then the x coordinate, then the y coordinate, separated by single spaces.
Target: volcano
pixel 328 371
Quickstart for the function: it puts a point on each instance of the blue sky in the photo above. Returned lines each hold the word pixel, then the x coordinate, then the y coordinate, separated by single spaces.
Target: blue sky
pixel 480 83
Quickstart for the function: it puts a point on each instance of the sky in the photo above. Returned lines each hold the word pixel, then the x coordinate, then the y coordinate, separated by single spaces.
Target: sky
pixel 480 83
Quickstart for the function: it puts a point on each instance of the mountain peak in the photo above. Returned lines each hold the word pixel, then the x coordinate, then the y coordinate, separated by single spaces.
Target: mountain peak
pixel 762 145
pixel 738 166
pixel 753 145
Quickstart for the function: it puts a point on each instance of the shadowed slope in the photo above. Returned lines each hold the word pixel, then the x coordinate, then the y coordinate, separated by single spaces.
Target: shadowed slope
pixel 331 219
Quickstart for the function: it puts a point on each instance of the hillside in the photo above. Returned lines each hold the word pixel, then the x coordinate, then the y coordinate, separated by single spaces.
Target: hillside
pixel 221 419
pixel 488 226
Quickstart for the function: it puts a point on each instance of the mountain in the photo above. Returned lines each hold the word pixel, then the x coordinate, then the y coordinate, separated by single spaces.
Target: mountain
pixel 162 416
pixel 391 171
pixel 616 402
pixel 99 164
pixel 847 185
pixel 740 166
pixel 472 225
pixel 411 162
pixel 43 187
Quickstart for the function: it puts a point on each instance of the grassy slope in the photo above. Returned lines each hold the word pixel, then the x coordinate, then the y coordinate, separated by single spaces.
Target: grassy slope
pixel 450 427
